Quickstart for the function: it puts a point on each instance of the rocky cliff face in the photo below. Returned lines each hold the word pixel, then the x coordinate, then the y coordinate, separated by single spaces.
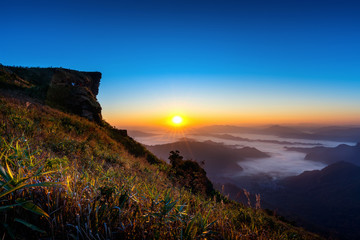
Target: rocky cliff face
pixel 75 92
pixel 68 90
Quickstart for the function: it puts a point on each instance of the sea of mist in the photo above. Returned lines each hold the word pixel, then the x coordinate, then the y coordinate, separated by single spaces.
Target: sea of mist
pixel 281 163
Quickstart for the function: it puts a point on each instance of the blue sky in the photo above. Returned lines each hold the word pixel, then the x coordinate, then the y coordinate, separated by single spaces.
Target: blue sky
pixel 199 57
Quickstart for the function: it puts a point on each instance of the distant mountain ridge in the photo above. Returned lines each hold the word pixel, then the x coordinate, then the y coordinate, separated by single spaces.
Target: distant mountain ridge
pixel 137 133
pixel 235 138
pixel 327 198
pixel 330 155
pixel 342 134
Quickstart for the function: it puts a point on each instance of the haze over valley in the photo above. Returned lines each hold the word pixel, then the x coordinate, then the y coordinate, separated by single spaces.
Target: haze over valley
pixel 279 165
pixel 285 156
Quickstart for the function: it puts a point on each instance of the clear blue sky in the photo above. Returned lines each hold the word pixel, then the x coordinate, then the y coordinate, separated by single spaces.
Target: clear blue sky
pixel 241 60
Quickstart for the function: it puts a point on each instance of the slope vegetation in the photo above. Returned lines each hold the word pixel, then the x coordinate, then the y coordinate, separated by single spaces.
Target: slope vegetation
pixel 65 177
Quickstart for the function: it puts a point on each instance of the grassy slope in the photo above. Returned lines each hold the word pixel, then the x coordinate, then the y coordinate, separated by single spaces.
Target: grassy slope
pixel 102 190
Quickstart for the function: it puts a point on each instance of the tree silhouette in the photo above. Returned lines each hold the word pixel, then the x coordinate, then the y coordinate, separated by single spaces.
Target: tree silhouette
pixel 190 174
pixel 175 158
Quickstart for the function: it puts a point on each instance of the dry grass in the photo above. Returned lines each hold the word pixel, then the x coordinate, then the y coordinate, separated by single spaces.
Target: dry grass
pixel 90 187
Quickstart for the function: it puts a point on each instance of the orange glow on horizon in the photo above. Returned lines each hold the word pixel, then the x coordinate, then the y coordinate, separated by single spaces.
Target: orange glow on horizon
pixel 192 119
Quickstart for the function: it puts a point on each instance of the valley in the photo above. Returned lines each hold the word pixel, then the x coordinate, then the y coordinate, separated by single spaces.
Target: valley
pixel 288 173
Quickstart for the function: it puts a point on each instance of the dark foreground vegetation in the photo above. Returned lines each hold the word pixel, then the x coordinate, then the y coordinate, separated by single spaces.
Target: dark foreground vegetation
pixel 65 177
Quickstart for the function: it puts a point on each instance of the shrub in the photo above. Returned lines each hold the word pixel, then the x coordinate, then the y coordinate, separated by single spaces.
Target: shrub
pixel 190 174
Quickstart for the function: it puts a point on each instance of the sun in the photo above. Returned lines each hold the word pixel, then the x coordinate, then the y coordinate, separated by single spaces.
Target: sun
pixel 177 120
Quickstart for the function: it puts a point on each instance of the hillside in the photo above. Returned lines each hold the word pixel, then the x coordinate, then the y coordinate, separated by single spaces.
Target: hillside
pixel 67 176
pixel 327 199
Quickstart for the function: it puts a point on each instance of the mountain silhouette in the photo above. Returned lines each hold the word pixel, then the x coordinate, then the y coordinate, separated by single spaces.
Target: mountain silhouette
pixel 218 158
pixel 325 200
pixel 330 155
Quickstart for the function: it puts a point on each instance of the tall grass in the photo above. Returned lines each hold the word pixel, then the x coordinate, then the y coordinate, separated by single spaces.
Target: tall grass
pixel 22 177
pixel 63 177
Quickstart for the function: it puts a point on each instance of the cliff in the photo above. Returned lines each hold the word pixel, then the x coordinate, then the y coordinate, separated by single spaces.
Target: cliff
pixel 68 90
pixel 94 181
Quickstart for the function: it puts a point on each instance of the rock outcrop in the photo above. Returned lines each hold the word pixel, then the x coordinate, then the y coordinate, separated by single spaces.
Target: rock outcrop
pixel 68 90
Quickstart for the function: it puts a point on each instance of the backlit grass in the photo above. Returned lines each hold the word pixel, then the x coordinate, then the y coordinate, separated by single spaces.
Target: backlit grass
pixel 63 177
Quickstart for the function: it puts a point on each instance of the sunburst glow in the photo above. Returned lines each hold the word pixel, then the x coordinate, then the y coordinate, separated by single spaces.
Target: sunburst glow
pixel 177 120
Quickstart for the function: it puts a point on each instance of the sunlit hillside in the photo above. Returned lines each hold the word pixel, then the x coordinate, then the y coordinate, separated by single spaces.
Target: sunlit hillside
pixel 63 176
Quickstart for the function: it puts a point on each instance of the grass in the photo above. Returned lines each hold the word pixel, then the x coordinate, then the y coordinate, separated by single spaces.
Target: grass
pixel 63 177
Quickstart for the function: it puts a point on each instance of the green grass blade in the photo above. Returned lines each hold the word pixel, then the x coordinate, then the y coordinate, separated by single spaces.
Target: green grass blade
pixel 9 206
pixel 42 184
pixel 12 190
pixel 4 174
pixel 29 225
pixel 30 206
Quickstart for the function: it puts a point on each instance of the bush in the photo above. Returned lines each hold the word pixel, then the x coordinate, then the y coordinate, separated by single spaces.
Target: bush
pixel 190 175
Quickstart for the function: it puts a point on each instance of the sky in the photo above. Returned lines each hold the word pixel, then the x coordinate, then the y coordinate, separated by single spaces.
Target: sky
pixel 211 62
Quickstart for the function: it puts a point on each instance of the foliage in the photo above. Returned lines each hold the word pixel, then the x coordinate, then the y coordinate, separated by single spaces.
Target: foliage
pixel 131 145
pixel 190 175
pixel 21 176
pixel 107 186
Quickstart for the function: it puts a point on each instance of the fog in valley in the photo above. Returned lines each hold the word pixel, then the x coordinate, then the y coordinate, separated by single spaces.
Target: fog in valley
pixel 281 163
pixel 295 170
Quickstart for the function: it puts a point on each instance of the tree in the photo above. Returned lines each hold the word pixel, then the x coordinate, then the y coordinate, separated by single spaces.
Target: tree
pixel 175 158
pixel 190 174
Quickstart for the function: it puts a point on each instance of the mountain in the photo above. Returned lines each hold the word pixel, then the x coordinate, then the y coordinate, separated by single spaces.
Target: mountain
pixel 137 133
pixel 66 174
pixel 286 132
pixel 68 90
pixel 330 155
pixel 276 130
pixel 225 129
pixel 327 200
pixel 235 138
pixel 351 134
pixel 219 159
pixel 341 134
